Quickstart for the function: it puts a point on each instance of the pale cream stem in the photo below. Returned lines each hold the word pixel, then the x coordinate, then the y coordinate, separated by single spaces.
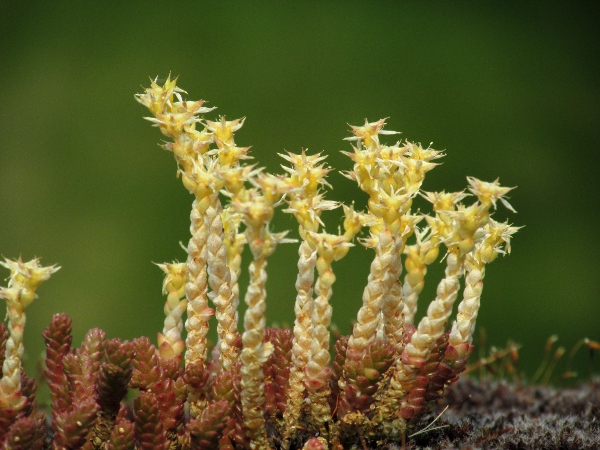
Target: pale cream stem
pixel 463 326
pixel 393 304
pixel 234 242
pixel 391 320
pixel 170 344
pixel 257 211
pixel 20 293
pixel 302 334
pixel 255 352
pixel 432 326
pixel 317 366
pixel 369 315
pixel 305 177
pixel 219 279
pixel 10 385
pixel 497 235
pixel 235 267
pixel 414 281
pixel 329 248
pixel 198 312
pixel 416 352
pixel 418 257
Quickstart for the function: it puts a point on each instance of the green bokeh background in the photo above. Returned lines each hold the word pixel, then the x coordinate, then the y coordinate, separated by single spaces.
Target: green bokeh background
pixel 508 89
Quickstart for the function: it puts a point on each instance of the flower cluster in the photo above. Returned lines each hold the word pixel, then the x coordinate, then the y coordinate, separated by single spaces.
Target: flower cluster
pixel 264 387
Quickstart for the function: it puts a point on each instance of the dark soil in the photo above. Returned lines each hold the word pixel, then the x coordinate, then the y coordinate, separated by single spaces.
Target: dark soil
pixel 497 415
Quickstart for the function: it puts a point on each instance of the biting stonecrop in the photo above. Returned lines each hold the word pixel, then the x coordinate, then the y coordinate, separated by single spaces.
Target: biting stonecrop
pixel 267 387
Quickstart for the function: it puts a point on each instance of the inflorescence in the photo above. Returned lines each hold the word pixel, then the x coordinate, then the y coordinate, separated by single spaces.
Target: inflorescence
pixel 268 387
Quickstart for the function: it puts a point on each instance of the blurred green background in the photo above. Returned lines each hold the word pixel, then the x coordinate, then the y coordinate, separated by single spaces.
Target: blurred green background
pixel 510 90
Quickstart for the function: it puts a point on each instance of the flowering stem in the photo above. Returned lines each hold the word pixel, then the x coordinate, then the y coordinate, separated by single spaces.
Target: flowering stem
pixel 20 293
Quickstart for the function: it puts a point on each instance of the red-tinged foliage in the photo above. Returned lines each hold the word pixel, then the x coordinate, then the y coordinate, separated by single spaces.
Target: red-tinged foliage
pixel 226 385
pixel 113 384
pixel 115 374
pixel 84 367
pixel 146 364
pixel 149 431
pixel 171 368
pixel 196 375
pixel 339 351
pixel 7 418
pixel 206 430
pixel 277 371
pixel 27 433
pixel 122 436
pixel 28 390
pixel 170 402
pixel 58 344
pixel 362 372
pixel 413 404
pixel 164 379
pixel 234 435
pixel 89 386
pixel 3 339
pixel 72 426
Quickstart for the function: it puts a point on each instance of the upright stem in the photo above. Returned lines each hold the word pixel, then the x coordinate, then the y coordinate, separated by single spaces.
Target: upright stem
pixel 302 334
pixel 20 293
pixel 392 311
pixel 464 325
pixel 219 278
pixel 317 368
pixel 255 352
pixel 379 283
pixel 198 312
pixel 415 354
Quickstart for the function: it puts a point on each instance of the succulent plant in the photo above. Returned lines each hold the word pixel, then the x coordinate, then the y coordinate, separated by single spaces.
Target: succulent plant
pixel 268 387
